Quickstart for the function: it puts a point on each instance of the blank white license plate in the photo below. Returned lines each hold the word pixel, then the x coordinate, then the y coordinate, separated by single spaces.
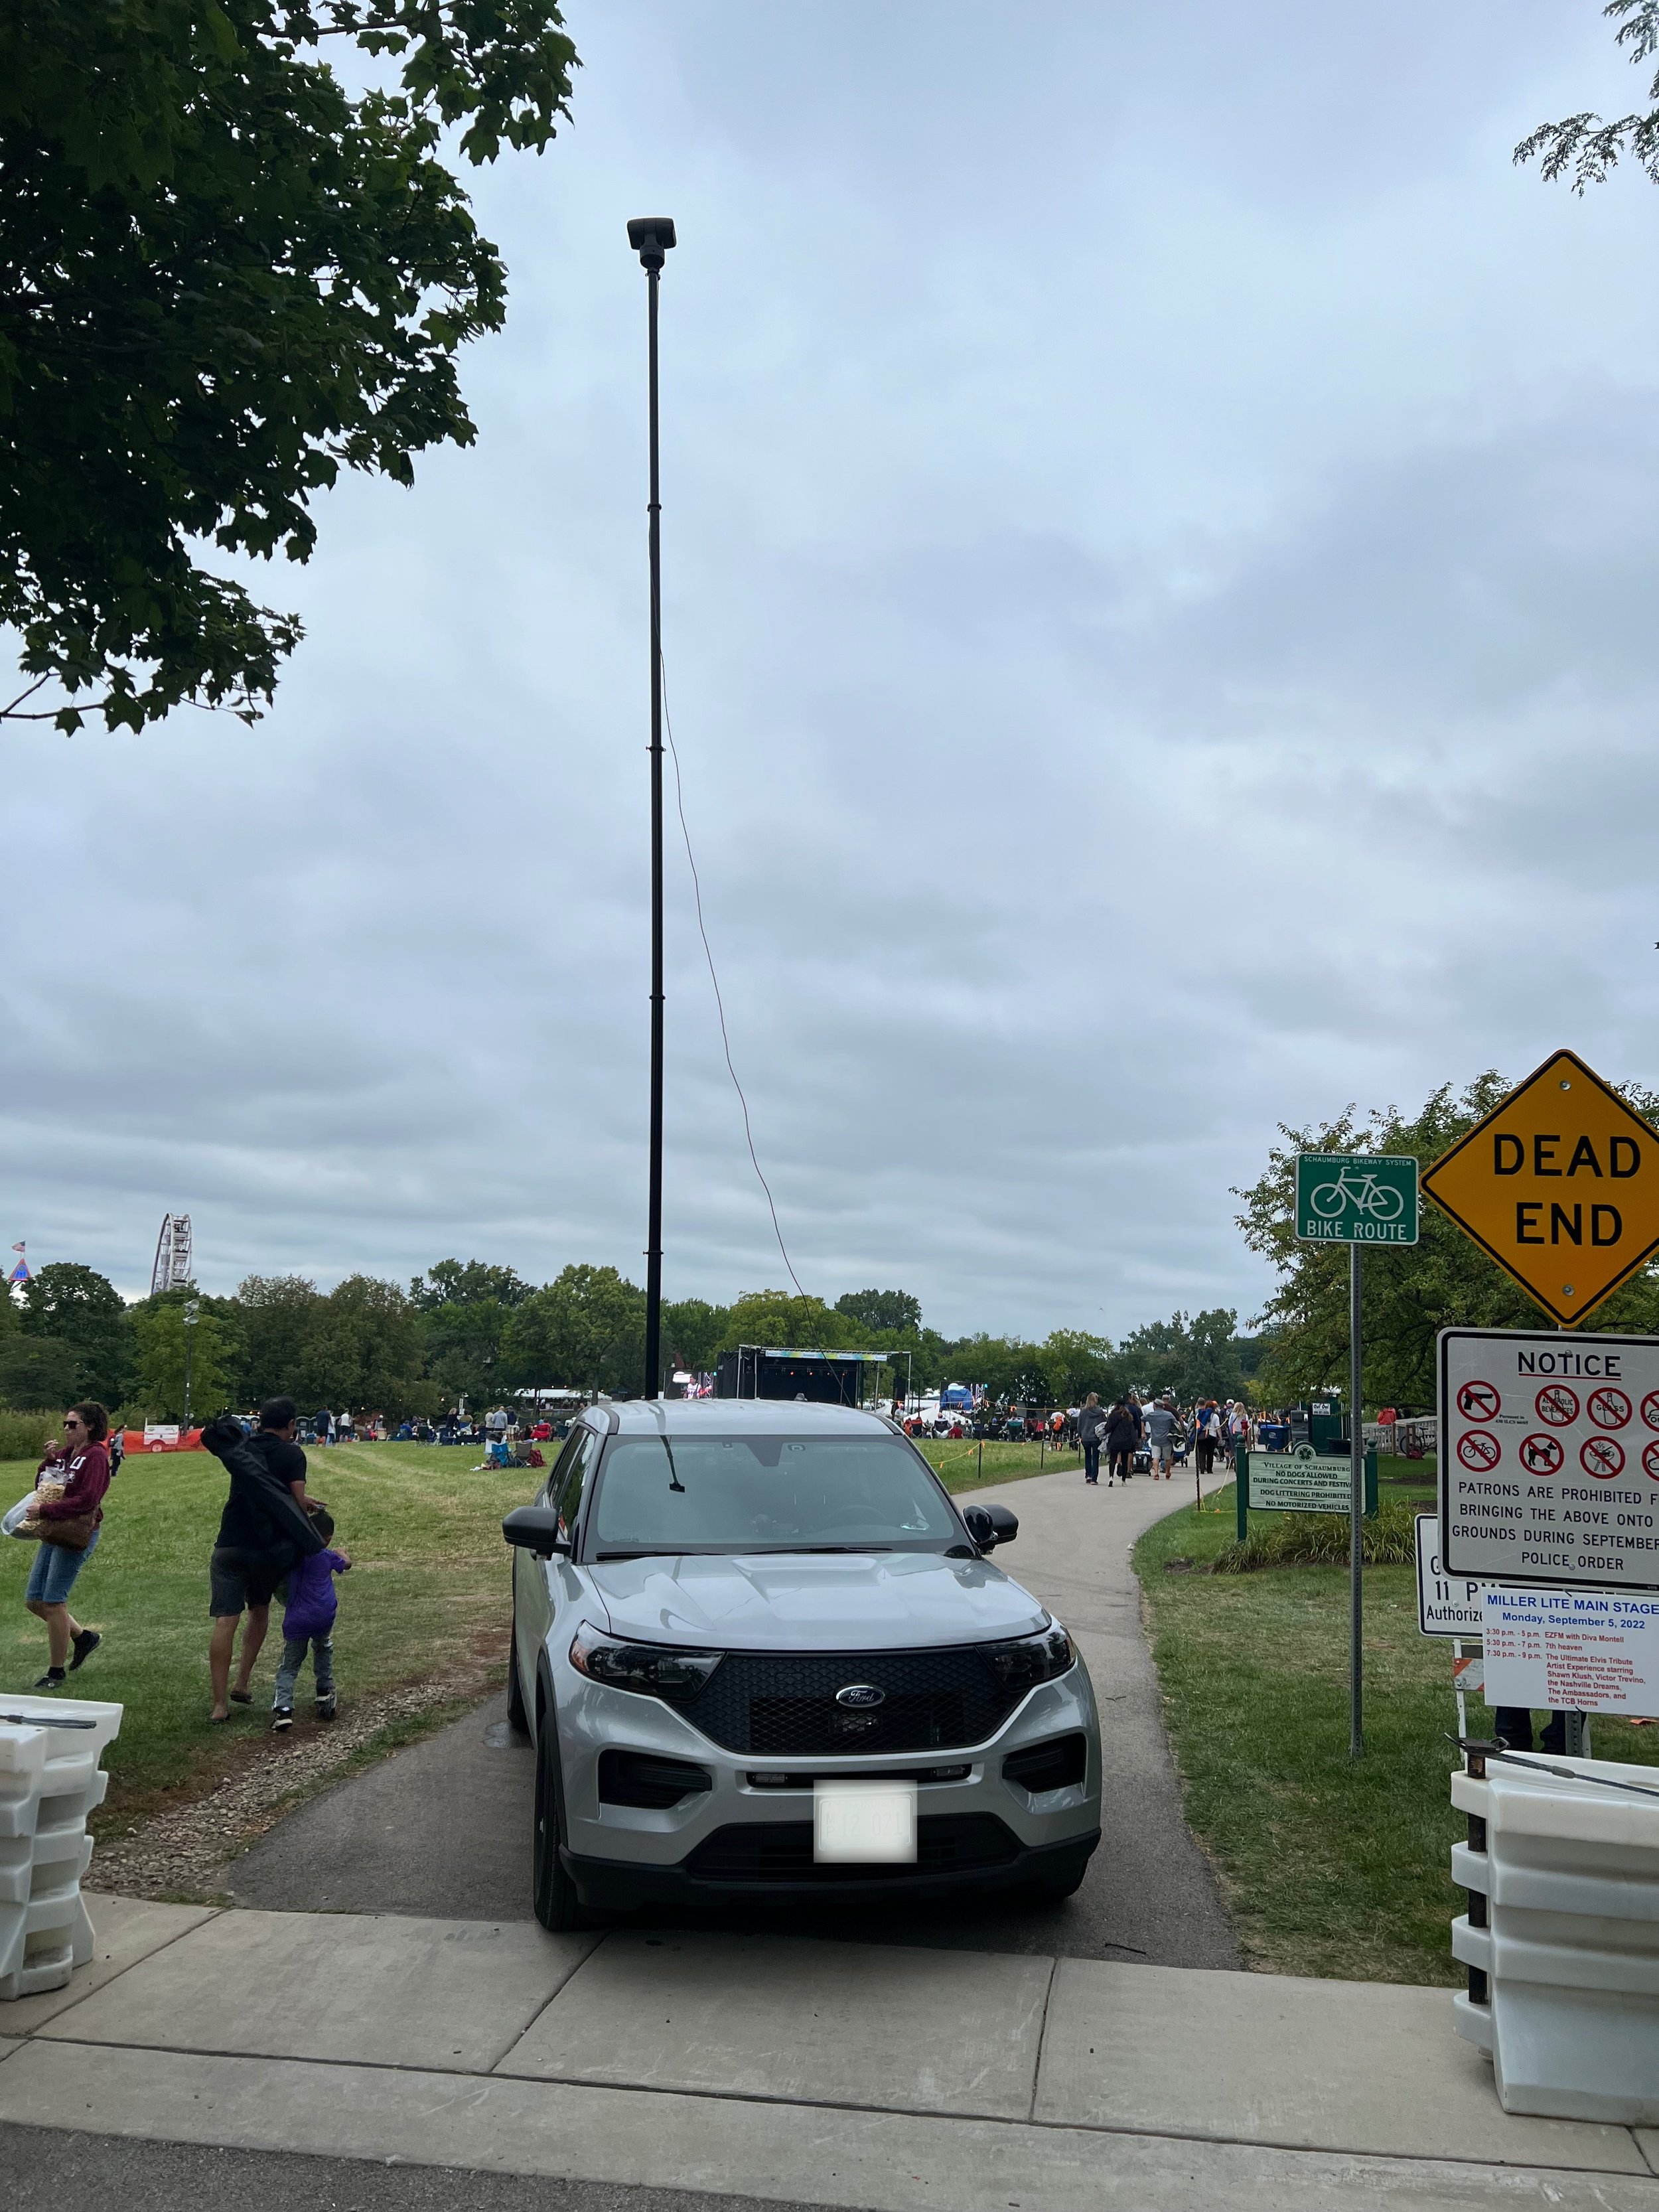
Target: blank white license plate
pixel 864 1823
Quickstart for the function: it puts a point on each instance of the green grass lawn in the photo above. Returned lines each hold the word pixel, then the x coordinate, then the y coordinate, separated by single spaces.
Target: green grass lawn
pixel 1330 1867
pixel 964 1465
pixel 429 1593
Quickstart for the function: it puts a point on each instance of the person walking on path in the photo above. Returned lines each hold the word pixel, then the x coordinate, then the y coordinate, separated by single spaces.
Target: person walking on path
pixel 1207 1422
pixel 309 1626
pixel 1123 1434
pixel 67 1514
pixel 263 1530
pixel 1090 1427
pixel 1160 1434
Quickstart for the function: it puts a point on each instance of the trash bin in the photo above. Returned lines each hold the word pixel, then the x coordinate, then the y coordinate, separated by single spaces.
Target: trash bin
pixel 51 1778
pixel 1561 1939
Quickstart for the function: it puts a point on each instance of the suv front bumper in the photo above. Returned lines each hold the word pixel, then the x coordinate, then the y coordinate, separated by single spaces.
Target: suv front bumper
pixel 741 1836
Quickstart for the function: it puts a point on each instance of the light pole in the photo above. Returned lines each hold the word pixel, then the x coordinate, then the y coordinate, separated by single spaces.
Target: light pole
pixel 651 237
pixel 192 1315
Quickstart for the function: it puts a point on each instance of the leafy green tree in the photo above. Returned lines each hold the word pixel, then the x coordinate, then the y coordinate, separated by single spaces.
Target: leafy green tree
pixel 586 1329
pixel 364 1349
pixel 777 1317
pixel 1009 1370
pixel 39 1371
pixel 693 1332
pixel 1074 1363
pixel 463 1345
pixel 1194 1355
pixel 1588 145
pixel 469 1283
pixel 894 1312
pixel 165 1347
pixel 1409 1292
pixel 276 1315
pixel 224 277
pixel 75 1305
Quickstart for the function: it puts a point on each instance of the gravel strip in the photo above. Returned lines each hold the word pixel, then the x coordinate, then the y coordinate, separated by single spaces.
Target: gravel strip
pixel 179 1854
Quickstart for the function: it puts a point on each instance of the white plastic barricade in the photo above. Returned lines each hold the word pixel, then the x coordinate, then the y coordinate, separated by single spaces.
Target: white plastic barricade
pixel 50 1779
pixel 1561 1939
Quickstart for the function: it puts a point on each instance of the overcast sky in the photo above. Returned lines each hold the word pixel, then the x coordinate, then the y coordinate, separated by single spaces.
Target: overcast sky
pixel 1160 523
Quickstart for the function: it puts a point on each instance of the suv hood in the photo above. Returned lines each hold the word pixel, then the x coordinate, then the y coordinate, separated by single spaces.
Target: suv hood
pixel 867 1601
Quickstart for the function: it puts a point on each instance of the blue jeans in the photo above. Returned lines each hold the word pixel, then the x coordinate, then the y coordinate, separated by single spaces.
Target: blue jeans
pixel 294 1648
pixel 52 1576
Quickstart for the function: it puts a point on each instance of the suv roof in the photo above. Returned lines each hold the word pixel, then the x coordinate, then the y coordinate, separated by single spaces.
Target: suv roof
pixel 736 1417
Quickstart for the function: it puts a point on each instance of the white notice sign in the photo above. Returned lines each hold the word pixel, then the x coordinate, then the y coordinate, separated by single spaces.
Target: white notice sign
pixel 1594 1652
pixel 1299 1482
pixel 1549 1458
pixel 1447 1605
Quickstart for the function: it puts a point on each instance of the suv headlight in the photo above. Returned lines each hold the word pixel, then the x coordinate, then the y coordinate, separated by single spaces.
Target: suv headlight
pixel 1033 1659
pixel 657 1670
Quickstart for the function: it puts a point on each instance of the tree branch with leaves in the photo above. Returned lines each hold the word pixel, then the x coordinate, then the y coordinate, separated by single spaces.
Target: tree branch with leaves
pixel 224 278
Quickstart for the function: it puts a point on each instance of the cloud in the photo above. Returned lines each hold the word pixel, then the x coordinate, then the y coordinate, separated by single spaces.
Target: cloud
pixel 1158 541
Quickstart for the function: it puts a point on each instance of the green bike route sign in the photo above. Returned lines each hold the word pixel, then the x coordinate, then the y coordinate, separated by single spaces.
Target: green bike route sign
pixel 1356 1198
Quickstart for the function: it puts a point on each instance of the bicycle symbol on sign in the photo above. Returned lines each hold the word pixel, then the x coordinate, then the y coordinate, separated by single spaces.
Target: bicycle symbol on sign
pixel 1363 1193
pixel 1478 1400
pixel 1479 1449
pixel 1558 1404
pixel 1544 1455
pixel 1601 1455
pixel 1608 1409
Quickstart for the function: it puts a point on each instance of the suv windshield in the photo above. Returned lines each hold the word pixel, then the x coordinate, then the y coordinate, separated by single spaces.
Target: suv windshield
pixel 725 1494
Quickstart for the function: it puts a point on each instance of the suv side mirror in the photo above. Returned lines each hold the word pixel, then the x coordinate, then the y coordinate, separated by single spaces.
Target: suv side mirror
pixel 990 1525
pixel 536 1528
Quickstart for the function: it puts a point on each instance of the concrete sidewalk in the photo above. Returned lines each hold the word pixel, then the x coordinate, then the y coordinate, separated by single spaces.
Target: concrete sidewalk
pixel 834 2074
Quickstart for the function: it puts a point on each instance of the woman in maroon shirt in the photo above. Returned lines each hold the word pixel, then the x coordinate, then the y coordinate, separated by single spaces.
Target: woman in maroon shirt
pixel 81 1463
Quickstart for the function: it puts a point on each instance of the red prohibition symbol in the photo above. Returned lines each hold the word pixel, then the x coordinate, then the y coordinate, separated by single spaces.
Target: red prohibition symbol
pixel 1650 1461
pixel 1650 1409
pixel 1607 1407
pixel 1558 1404
pixel 1481 1449
pixel 1478 1402
pixel 1544 1455
pixel 1601 1455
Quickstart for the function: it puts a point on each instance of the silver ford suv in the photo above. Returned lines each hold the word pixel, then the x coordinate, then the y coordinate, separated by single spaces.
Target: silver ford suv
pixel 762 1653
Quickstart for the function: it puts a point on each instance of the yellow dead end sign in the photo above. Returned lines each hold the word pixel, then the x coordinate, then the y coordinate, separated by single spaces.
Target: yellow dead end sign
pixel 1560 1185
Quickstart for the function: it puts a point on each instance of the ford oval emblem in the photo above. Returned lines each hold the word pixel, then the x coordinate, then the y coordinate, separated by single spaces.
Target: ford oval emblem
pixel 861 1694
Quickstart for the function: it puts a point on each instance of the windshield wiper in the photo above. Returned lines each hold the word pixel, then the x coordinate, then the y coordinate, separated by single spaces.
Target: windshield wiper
pixel 664 1554
pixel 768 1550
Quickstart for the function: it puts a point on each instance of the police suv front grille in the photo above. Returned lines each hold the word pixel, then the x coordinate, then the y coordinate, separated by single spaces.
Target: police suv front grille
pixel 783 1707
pixel 781 1851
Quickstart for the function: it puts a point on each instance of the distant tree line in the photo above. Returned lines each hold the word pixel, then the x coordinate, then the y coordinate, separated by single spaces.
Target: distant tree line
pixel 471 1330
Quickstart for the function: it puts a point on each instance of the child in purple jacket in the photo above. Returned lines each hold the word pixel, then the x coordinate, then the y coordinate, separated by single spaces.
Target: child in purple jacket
pixel 308 1625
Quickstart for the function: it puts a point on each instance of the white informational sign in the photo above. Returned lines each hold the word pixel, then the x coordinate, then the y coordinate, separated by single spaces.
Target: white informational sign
pixel 1447 1605
pixel 1299 1482
pixel 1469 1675
pixel 1595 1651
pixel 1549 1465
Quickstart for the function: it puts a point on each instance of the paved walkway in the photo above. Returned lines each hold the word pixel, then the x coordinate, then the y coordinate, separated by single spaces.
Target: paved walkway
pixel 444 1827
pixel 788 2070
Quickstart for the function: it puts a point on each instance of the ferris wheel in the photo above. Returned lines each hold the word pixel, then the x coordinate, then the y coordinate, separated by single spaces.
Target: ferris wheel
pixel 171 1268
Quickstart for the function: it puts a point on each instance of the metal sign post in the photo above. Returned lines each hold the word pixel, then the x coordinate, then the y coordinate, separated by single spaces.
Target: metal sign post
pixel 1355 1200
pixel 1356 1516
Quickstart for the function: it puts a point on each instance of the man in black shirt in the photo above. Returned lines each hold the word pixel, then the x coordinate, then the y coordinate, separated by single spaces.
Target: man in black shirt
pixel 262 1531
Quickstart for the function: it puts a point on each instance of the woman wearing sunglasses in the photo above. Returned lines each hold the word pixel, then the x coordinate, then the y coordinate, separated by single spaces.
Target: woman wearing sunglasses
pixel 69 1487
